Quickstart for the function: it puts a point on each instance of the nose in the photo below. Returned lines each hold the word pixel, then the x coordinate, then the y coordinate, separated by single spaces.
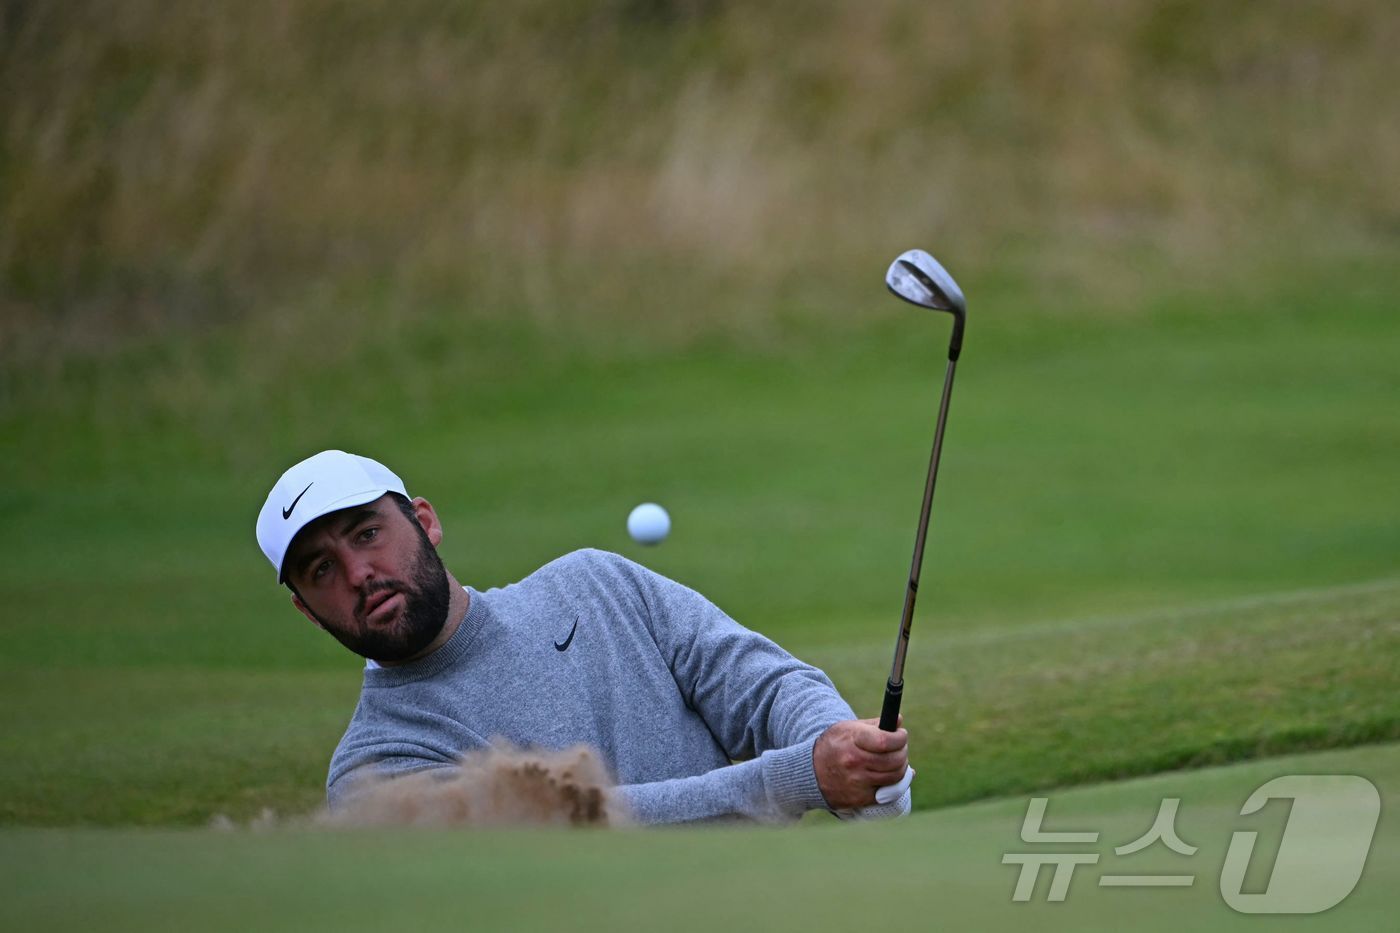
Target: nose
pixel 358 570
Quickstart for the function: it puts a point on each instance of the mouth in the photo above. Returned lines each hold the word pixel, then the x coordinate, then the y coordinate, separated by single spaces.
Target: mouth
pixel 381 606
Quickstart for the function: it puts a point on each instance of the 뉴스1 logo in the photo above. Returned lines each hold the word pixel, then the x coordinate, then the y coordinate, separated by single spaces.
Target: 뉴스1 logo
pixel 287 512
pixel 1315 866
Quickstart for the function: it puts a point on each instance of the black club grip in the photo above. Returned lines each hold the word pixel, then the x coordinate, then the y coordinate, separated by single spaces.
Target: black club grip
pixel 889 713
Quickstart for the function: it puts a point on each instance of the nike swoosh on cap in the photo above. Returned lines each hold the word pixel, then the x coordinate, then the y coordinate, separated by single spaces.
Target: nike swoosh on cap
pixel 287 512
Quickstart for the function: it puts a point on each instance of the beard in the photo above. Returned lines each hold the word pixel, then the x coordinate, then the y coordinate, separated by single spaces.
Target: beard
pixel 427 596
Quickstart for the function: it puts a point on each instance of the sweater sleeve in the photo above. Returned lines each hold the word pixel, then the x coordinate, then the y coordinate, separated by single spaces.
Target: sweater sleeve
pixel 776 787
pixel 759 702
pixel 382 759
pixel 771 789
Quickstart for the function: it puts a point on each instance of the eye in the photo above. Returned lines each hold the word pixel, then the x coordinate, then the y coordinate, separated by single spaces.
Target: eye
pixel 369 534
pixel 321 569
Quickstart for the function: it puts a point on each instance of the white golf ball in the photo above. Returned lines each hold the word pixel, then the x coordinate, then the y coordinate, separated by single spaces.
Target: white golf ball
pixel 648 524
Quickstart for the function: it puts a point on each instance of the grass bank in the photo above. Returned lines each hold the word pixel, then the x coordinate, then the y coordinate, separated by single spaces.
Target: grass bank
pixel 993 712
pixel 942 867
pixel 1096 466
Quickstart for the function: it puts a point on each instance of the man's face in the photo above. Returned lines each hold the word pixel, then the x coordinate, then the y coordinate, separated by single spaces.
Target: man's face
pixel 371 576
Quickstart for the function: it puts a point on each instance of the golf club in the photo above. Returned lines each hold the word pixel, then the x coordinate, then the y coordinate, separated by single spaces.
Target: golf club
pixel 918 278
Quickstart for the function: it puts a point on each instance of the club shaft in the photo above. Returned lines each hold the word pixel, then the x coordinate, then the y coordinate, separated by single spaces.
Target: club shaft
pixel 894 688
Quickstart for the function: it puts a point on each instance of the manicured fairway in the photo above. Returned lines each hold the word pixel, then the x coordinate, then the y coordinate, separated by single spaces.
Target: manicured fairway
pixel 1155 543
pixel 939 870
pixel 995 711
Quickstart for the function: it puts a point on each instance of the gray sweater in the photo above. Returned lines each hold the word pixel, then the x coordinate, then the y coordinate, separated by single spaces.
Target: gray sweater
pixel 593 648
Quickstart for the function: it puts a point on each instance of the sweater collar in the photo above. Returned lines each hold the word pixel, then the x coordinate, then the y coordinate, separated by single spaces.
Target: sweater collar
pixel 447 655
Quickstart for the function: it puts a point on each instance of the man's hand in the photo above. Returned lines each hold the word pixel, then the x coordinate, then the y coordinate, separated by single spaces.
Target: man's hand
pixel 855 757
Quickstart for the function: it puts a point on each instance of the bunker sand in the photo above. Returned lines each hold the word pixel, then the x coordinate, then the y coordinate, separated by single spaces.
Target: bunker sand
pixel 502 786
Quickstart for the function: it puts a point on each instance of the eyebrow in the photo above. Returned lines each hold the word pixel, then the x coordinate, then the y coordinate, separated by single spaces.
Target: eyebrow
pixel 354 519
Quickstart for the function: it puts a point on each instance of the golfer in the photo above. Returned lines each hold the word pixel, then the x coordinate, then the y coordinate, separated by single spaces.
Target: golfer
pixel 591 648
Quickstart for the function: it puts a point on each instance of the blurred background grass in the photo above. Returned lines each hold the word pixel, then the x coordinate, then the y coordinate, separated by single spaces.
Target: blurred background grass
pixel 552 258
pixel 662 171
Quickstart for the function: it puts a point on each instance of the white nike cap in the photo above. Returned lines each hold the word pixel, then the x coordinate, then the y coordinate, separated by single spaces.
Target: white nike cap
pixel 326 482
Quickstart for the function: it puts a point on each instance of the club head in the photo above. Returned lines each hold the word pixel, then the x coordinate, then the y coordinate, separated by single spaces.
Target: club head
pixel 918 278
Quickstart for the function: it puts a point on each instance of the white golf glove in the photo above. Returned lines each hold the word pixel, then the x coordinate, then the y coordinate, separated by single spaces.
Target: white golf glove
pixel 892 802
pixel 892 792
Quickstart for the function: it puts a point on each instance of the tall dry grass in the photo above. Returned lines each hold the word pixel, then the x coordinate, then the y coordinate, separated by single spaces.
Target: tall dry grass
pixel 661 167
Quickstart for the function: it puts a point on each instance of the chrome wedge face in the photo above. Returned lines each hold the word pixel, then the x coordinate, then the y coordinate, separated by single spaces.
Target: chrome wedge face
pixel 918 278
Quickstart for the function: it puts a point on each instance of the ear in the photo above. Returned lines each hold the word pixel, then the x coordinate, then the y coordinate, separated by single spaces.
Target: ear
pixel 301 607
pixel 428 518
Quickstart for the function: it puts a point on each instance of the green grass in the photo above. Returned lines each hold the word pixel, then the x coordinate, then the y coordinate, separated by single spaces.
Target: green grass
pixel 1097 468
pixel 938 869
pixel 992 712
pixel 1091 465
